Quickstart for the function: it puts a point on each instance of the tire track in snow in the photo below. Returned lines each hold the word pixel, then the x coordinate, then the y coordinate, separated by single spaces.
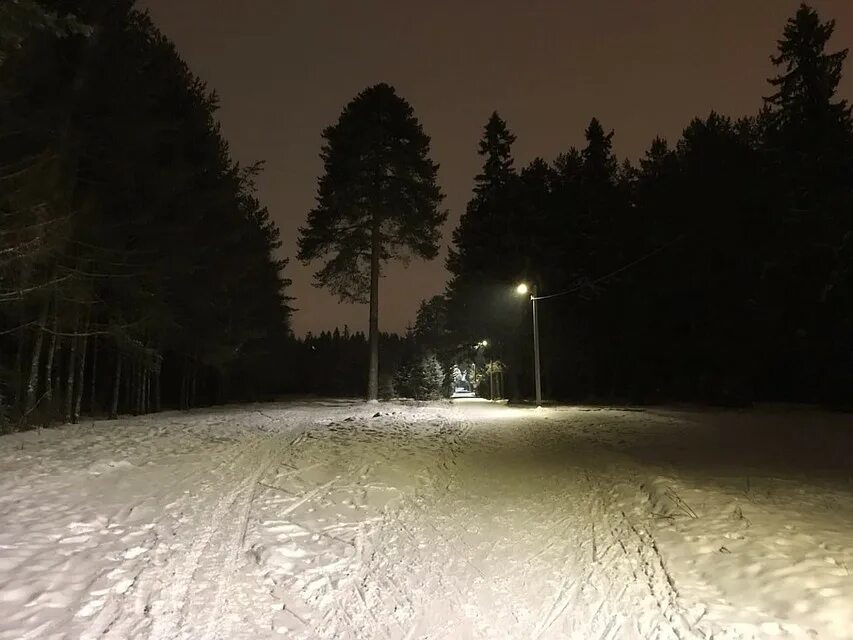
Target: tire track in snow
pixel 591 586
pixel 115 618
pixel 432 562
pixel 336 610
pixel 233 545
pixel 661 586
pixel 603 564
pixel 372 577
pixel 177 597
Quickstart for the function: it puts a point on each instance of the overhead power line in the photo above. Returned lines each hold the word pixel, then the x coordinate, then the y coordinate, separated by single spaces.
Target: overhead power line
pixel 624 267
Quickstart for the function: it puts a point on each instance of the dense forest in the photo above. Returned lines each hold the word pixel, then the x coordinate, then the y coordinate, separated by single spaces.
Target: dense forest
pixel 139 270
pixel 718 269
pixel 137 267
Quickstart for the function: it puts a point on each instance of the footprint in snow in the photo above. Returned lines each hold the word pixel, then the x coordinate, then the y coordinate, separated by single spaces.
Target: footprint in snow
pixel 74 539
pixel 91 608
pixel 134 552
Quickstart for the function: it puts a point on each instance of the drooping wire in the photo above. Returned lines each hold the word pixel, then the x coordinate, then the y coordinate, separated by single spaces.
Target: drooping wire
pixel 624 267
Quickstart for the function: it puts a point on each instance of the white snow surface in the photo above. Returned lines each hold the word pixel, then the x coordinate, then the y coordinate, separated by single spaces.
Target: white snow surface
pixel 322 519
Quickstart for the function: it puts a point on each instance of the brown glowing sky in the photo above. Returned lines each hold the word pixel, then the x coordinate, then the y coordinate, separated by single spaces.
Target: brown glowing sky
pixel 285 68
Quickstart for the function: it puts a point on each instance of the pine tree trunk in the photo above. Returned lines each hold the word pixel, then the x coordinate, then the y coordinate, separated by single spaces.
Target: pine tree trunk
pixel 184 383
pixel 373 367
pixel 132 389
pixel 116 387
pixel 21 333
pixel 57 373
pixel 81 371
pixel 145 391
pixel 193 377
pixel 35 362
pixel 157 367
pixel 69 381
pixel 19 365
pixel 140 384
pixel 48 369
pixel 94 375
pixel 126 403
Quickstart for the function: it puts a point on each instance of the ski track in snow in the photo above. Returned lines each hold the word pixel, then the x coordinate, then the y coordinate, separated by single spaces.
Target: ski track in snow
pixel 322 520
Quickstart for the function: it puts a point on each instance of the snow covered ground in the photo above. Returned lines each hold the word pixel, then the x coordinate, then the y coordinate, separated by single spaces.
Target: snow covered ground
pixel 472 520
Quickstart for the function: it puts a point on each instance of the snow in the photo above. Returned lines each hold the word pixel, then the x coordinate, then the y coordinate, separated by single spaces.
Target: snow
pixel 467 520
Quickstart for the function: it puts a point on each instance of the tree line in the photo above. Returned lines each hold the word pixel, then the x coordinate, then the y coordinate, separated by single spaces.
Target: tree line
pixel 138 269
pixel 333 363
pixel 717 268
pixel 137 266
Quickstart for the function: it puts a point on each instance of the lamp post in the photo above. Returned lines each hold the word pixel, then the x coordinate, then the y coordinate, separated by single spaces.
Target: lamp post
pixel 482 344
pixel 523 289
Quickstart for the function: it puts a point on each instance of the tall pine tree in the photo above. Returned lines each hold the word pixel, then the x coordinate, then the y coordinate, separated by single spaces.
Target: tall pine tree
pixel 378 200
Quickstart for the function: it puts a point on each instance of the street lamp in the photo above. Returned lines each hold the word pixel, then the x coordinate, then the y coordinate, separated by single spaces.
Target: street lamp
pixel 490 369
pixel 482 344
pixel 523 289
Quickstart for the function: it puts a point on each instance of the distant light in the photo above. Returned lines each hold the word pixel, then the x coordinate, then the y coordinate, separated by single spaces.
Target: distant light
pixel 484 343
pixel 522 289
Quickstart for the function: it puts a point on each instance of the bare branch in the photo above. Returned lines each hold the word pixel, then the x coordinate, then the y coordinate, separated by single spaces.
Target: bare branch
pixel 19 293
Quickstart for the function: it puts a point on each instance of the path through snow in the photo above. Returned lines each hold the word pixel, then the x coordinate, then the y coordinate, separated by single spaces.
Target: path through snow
pixel 325 520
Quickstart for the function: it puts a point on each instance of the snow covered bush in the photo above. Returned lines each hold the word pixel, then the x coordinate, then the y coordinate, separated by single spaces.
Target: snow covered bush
pixel 432 383
pixel 420 377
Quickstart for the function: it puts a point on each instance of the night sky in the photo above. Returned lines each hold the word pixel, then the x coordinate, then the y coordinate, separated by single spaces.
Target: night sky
pixel 285 69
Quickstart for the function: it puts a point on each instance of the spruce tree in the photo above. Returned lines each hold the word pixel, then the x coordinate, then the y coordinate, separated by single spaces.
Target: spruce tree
pixel 485 217
pixel 600 203
pixel 807 84
pixel 808 146
pixel 378 200
pixel 496 149
pixel 599 164
pixel 488 255
pixel 487 222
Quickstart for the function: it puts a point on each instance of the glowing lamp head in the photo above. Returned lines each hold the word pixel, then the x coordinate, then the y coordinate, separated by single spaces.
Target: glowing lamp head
pixel 522 289
pixel 484 343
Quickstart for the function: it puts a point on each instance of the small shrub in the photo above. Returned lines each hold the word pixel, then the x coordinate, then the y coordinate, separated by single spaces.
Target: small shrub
pixel 420 377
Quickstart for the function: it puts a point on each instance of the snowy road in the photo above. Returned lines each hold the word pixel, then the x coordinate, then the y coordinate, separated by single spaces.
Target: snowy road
pixel 324 520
